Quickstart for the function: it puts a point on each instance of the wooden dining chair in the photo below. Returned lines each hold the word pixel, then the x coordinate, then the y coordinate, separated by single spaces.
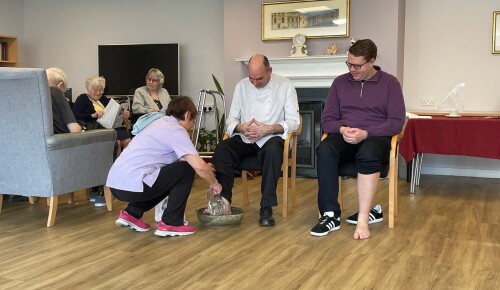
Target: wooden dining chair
pixel 389 169
pixel 289 160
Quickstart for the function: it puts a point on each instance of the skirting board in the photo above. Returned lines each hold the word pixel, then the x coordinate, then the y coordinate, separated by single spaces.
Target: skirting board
pixel 434 170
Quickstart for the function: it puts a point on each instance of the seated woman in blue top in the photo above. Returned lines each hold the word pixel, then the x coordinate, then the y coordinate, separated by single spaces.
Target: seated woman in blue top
pixel 90 106
pixel 160 161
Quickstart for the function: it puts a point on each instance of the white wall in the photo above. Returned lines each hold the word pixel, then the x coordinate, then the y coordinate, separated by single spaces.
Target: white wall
pixel 12 23
pixel 448 42
pixel 66 33
pixel 445 42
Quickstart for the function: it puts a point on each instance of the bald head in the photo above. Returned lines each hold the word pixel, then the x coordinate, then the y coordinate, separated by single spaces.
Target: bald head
pixel 259 70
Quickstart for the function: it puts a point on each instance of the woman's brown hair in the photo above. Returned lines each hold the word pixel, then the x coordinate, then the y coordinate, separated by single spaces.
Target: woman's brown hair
pixel 179 106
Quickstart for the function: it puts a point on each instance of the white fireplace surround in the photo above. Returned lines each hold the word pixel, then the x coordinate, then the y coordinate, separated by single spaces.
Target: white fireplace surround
pixel 308 71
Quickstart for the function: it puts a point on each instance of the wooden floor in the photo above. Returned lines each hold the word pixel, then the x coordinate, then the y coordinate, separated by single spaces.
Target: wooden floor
pixel 447 236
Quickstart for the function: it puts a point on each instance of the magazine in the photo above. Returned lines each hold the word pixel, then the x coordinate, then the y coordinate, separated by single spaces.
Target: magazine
pixel 112 117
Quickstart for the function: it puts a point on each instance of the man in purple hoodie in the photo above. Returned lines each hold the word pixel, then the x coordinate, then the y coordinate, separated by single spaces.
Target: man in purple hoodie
pixel 364 108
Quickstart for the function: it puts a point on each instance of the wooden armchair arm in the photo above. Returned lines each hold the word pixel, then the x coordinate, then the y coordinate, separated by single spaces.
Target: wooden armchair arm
pixel 396 139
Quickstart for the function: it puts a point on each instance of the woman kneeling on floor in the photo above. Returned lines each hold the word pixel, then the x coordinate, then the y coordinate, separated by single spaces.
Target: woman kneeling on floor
pixel 160 161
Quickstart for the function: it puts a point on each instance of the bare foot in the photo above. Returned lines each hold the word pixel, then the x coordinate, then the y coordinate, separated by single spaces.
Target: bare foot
pixel 227 206
pixel 362 232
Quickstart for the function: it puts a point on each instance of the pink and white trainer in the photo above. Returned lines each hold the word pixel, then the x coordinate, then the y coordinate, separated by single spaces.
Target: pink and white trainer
pixel 126 220
pixel 165 230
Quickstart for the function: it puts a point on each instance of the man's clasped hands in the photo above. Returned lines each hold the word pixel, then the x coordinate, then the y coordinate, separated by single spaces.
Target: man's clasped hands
pixel 254 130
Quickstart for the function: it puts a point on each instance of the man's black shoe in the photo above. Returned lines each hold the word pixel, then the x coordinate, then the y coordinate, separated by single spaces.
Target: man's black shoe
pixel 266 217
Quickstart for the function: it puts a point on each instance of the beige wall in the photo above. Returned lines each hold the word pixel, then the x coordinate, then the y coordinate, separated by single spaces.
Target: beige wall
pixel 446 41
pixel 426 44
pixel 379 20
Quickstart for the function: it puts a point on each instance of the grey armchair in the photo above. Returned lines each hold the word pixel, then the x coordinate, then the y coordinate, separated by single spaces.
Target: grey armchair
pixel 34 160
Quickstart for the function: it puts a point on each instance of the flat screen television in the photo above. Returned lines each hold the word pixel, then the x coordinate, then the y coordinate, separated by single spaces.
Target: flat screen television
pixel 124 66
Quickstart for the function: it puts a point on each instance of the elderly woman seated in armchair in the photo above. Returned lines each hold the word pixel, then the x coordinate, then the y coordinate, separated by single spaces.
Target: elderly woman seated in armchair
pixel 90 106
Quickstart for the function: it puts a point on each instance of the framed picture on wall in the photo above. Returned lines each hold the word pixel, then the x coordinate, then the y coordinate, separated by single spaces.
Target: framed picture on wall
pixel 314 19
pixel 496 32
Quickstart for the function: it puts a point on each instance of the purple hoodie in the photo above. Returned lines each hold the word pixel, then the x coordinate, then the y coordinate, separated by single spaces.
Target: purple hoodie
pixel 375 105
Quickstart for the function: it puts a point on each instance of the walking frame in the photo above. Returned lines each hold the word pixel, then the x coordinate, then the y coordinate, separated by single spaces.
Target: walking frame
pixel 199 118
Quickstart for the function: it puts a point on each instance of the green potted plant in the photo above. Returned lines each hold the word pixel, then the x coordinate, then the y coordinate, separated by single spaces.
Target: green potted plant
pixel 207 141
pixel 221 121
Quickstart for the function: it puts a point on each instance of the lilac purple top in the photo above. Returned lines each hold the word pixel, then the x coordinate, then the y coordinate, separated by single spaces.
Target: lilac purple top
pixel 375 105
pixel 161 143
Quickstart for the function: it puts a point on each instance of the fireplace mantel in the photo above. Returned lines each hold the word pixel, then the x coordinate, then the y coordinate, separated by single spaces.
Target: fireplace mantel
pixel 308 71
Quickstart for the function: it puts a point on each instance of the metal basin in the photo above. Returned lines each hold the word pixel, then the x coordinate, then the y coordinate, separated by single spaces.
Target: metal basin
pixel 230 220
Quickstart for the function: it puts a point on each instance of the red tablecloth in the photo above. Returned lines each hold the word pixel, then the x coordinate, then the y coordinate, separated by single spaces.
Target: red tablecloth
pixel 467 136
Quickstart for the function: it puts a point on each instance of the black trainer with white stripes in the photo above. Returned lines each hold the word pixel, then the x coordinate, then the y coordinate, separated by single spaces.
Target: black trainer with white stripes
pixel 326 225
pixel 376 216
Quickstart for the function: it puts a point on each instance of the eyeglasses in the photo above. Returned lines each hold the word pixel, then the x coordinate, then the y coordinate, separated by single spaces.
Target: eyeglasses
pixel 355 66
pixel 154 81
pixel 98 91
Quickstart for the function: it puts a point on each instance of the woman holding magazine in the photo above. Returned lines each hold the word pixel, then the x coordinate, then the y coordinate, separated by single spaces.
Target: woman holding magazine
pixel 88 108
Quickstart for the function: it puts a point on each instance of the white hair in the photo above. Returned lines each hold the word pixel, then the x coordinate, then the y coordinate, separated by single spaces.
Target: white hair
pixel 55 76
pixel 95 81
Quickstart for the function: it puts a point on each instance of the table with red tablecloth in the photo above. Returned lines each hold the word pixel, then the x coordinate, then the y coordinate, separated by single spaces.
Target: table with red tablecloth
pixel 465 136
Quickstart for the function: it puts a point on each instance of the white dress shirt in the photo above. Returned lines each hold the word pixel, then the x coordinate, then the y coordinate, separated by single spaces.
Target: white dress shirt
pixel 276 103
